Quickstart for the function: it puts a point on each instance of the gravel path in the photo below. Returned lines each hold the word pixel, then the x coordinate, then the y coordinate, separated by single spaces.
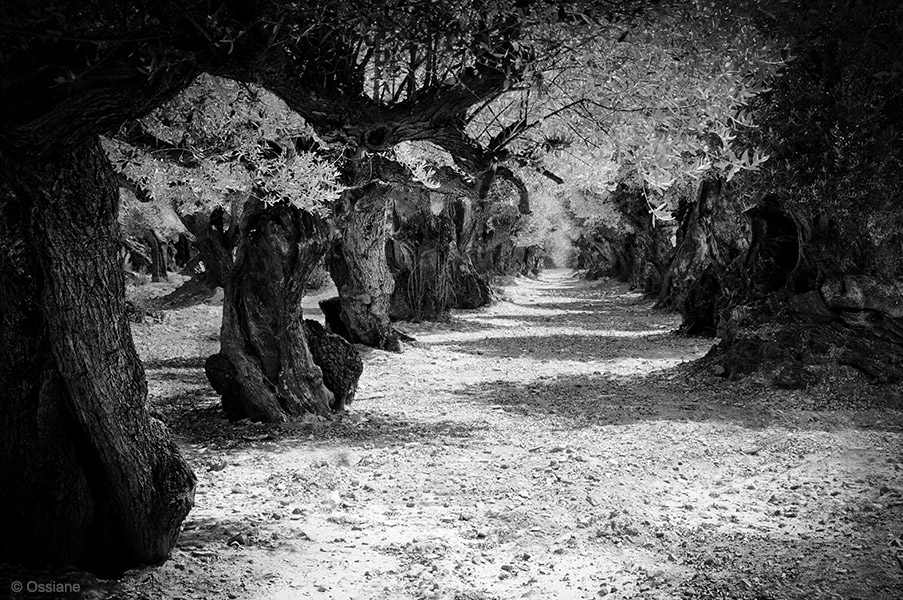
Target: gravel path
pixel 545 447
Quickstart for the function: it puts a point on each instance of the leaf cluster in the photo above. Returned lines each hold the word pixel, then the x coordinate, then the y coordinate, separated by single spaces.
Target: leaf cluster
pixel 665 94
pixel 243 138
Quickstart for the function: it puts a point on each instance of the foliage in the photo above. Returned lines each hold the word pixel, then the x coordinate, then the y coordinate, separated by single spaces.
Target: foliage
pixel 137 218
pixel 406 50
pixel 664 95
pixel 421 159
pixel 553 222
pixel 243 139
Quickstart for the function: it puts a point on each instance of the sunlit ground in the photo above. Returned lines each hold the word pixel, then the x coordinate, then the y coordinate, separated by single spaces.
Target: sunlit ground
pixel 529 450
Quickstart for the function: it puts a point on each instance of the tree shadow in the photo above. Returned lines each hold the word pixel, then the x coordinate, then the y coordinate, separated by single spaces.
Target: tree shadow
pixel 595 304
pixel 196 420
pixel 190 377
pixel 600 318
pixel 455 324
pixel 648 345
pixel 574 402
pixel 723 563
pixel 181 362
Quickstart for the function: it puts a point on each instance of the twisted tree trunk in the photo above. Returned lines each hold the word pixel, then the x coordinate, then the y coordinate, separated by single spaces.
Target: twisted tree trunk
pixel 713 235
pixel 420 256
pixel 86 476
pixel 357 261
pixel 432 272
pixel 264 369
pixel 215 231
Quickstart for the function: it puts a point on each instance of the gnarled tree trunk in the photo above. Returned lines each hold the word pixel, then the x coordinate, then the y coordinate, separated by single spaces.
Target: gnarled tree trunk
pixel 423 238
pixel 215 231
pixel 432 273
pixel 264 369
pixel 712 236
pixel 650 245
pixel 469 288
pixel 86 476
pixel 358 265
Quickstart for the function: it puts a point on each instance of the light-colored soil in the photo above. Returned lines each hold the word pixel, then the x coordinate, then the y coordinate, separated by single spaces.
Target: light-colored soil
pixel 545 447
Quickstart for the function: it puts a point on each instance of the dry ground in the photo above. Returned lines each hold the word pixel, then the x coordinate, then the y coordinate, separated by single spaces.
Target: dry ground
pixel 547 447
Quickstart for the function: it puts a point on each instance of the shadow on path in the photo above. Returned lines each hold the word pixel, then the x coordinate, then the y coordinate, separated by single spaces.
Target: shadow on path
pixel 582 401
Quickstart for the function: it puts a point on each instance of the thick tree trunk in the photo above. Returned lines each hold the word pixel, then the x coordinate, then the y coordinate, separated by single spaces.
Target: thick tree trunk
pixel 182 251
pixel 419 257
pixel 135 257
pixel 649 247
pixel 215 232
pixel 358 265
pixel 713 235
pixel 489 223
pixel 86 476
pixel 431 272
pixel 491 246
pixel 264 369
pixel 469 288
pixel 533 260
pixel 849 319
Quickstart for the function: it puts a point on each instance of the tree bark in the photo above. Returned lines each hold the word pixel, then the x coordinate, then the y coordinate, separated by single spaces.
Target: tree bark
pixel 649 246
pixel 469 288
pixel 490 223
pixel 432 273
pixel 264 369
pixel 215 232
pixel 86 476
pixel 713 235
pixel 358 264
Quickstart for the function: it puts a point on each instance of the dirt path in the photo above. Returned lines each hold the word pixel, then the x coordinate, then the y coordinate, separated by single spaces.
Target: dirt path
pixel 542 448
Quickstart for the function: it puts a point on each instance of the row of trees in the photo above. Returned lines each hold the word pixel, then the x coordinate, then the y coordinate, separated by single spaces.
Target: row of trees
pixel 626 100
pixel 87 476
pixel 793 261
pixel 446 197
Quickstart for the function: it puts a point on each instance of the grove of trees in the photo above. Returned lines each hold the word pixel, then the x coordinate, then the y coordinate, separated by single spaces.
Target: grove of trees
pixel 742 163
